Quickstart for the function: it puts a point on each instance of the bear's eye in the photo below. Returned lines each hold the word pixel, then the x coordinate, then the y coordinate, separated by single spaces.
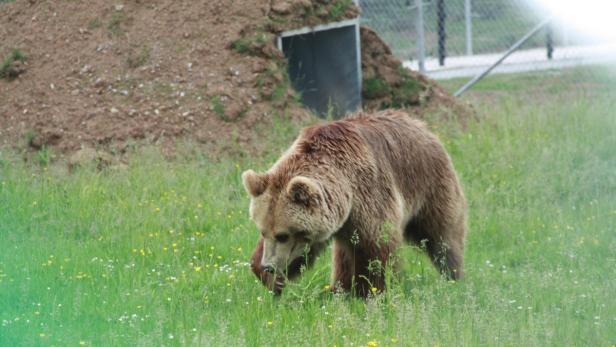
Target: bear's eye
pixel 282 238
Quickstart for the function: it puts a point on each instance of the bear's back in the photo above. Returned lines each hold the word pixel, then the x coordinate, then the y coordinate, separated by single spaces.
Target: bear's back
pixel 407 155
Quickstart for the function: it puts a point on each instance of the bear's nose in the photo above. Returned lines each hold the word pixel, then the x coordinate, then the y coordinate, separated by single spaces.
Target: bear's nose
pixel 269 269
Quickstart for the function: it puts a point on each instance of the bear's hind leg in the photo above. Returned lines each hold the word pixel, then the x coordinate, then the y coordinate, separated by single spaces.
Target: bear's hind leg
pixel 444 245
pixel 448 258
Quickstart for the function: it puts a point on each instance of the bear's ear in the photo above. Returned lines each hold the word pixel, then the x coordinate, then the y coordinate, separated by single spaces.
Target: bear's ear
pixel 303 190
pixel 254 183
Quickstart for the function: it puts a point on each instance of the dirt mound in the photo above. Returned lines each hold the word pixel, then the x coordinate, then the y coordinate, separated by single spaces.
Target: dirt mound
pixel 101 74
pixel 388 84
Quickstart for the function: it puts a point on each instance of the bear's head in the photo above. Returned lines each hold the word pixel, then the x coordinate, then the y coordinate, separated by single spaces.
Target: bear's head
pixel 292 215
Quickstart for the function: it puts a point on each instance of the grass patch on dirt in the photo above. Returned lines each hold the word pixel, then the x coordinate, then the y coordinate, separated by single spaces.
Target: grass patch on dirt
pixel 577 80
pixel 7 68
pixel 156 253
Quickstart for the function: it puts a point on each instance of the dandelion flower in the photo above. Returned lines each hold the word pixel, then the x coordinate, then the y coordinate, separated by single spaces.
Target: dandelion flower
pixel 372 343
pixel 374 290
pixel 197 268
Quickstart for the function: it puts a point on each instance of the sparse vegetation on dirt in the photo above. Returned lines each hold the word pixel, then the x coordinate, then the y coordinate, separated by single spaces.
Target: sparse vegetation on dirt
pixel 139 58
pixel 12 65
pixel 108 75
pixel 114 27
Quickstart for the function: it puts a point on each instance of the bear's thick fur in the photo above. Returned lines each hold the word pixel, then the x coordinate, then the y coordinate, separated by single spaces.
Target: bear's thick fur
pixel 365 182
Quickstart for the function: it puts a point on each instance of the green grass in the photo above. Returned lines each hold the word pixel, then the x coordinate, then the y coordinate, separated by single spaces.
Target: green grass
pixel 578 82
pixel 375 88
pixel 156 253
pixel 338 8
pixel 94 23
pixel 138 59
pixel 250 43
pixel 114 27
pixel 7 71
pixel 219 108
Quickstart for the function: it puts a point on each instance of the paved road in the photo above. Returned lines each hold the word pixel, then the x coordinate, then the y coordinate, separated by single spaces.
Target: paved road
pixel 520 61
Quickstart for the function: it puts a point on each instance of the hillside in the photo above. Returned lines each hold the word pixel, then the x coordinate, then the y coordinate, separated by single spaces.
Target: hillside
pixel 100 74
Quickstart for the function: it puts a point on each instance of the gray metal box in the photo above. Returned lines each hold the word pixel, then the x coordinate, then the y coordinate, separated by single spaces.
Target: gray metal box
pixel 325 66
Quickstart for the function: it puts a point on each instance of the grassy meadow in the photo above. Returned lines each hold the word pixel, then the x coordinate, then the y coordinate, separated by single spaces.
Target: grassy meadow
pixel 155 253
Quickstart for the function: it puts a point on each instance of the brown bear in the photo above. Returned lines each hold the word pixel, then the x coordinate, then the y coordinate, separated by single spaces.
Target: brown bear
pixel 347 181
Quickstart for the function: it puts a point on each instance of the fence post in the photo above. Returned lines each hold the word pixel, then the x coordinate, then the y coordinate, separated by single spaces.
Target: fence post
pixel 469 27
pixel 419 28
pixel 549 41
pixel 441 15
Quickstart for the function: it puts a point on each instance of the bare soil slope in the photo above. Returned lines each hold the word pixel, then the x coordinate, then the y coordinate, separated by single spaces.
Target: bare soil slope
pixel 99 73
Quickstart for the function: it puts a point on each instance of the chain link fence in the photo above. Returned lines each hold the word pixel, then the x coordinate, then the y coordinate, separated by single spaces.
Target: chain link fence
pixel 495 24
pixel 460 38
